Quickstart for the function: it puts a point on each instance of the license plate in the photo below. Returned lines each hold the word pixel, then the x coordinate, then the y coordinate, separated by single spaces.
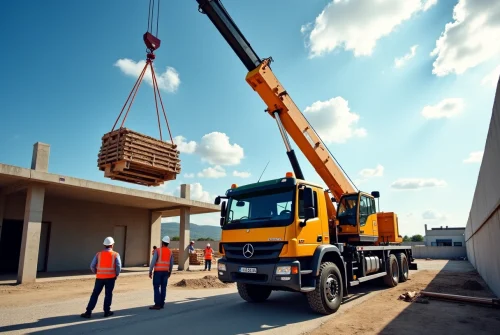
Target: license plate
pixel 248 270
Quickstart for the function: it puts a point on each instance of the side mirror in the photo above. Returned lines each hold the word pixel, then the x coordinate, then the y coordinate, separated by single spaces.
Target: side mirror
pixel 376 194
pixel 223 210
pixel 217 201
pixel 309 208
pixel 221 222
pixel 308 197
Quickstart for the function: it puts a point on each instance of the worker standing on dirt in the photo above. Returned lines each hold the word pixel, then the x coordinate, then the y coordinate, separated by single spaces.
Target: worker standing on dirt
pixel 107 266
pixel 162 263
pixel 208 257
pixel 191 248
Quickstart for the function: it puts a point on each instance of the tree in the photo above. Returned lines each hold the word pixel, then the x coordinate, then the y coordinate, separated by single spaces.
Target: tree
pixel 205 239
pixel 417 238
pixel 406 238
pixel 175 238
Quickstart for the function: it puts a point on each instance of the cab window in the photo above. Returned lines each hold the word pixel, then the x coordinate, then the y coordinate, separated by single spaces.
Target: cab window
pixel 301 204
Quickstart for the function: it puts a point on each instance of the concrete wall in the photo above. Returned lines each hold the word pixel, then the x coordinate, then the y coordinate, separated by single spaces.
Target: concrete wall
pixel 78 229
pixel 438 252
pixel 413 243
pixel 482 233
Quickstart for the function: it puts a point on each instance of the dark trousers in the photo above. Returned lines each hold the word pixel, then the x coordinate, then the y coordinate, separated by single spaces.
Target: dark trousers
pixel 160 281
pixel 109 285
pixel 208 264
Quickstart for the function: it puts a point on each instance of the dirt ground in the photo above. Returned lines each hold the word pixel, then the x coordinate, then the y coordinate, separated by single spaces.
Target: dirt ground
pixel 386 314
pixel 22 295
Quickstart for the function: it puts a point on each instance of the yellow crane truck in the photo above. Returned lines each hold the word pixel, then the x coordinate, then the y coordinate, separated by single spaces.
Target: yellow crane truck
pixel 288 234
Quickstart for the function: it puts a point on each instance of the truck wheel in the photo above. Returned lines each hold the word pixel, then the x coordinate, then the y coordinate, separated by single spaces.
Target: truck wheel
pixel 391 279
pixel 404 272
pixel 327 296
pixel 253 293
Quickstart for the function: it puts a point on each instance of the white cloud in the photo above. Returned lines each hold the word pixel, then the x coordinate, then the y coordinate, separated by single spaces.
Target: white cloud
pixel 492 77
pixel 474 157
pixel 357 25
pixel 197 193
pixel 216 149
pixel 183 146
pixel 333 120
pixel 417 183
pixel 213 172
pixel 188 175
pixel 241 174
pixel 378 171
pixel 400 62
pixel 446 108
pixel 433 215
pixel 167 81
pixel 471 39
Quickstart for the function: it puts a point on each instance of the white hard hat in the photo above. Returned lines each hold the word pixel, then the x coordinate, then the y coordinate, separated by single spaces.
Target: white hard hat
pixel 208 244
pixel 192 242
pixel 108 241
pixel 166 239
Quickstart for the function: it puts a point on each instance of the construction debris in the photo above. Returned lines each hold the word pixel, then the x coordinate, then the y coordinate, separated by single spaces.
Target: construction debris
pixel 132 157
pixel 462 298
pixel 205 282
pixel 408 296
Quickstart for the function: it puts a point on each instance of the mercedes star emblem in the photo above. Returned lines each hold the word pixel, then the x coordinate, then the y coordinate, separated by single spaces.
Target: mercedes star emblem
pixel 248 250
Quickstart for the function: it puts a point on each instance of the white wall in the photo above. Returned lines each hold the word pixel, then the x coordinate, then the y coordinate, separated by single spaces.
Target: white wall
pixel 438 252
pixel 483 226
pixel 79 228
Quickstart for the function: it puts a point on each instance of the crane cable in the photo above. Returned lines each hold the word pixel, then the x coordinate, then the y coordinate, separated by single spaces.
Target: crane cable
pixel 156 91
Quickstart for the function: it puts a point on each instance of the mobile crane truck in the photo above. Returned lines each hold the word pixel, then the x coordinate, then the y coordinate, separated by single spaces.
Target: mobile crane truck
pixel 286 234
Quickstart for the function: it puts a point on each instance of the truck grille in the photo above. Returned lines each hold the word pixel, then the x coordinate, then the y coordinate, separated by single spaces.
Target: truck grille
pixel 263 252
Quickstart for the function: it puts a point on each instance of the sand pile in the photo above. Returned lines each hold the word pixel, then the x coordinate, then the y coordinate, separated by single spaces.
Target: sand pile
pixel 205 282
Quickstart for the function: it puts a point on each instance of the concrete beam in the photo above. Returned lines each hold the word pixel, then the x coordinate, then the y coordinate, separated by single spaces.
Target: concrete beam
pixel 184 234
pixel 33 212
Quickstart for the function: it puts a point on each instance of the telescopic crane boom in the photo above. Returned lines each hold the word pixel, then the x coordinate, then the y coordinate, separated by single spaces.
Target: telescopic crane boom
pixel 280 105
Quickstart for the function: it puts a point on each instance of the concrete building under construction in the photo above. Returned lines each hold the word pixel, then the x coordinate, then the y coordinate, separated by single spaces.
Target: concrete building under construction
pixel 51 222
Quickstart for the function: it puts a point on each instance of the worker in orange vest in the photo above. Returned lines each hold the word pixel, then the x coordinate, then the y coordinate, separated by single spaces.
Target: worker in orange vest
pixel 208 257
pixel 107 266
pixel 162 263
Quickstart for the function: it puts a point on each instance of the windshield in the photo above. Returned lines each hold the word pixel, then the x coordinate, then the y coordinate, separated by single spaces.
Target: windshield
pixel 269 209
pixel 346 212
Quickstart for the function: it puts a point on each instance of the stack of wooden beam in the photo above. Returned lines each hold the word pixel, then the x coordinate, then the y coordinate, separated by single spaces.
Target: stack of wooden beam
pixel 132 157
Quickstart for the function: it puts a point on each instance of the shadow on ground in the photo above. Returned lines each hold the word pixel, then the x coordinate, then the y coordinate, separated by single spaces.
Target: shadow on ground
pixel 434 316
pixel 222 314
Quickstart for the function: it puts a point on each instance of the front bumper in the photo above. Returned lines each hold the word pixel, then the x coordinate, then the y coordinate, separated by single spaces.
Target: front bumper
pixel 265 274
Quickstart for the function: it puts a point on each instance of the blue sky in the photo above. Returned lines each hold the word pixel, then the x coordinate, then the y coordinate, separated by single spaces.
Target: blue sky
pixel 402 127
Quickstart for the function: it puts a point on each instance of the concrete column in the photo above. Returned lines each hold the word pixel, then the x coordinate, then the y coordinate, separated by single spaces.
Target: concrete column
pixel 184 236
pixel 40 158
pixel 33 211
pixel 2 212
pixel 155 235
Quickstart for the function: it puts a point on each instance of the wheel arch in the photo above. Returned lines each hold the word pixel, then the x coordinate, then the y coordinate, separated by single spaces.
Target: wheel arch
pixel 330 253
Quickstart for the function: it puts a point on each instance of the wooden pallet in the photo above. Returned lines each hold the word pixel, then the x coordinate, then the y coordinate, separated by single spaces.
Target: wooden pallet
pixel 132 157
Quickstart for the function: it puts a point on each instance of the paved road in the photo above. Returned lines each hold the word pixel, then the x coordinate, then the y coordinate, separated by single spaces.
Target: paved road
pixel 217 311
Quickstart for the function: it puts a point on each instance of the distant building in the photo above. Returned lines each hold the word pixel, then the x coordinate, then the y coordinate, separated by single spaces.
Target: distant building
pixel 445 236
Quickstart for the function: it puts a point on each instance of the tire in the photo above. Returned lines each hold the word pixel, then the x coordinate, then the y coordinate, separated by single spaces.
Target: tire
pixel 404 270
pixel 322 300
pixel 253 293
pixel 391 279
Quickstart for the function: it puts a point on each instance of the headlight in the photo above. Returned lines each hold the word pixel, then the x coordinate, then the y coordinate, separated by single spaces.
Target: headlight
pixel 283 270
pixel 221 266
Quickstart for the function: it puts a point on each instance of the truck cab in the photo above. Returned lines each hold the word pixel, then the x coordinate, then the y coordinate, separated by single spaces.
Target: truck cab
pixel 270 231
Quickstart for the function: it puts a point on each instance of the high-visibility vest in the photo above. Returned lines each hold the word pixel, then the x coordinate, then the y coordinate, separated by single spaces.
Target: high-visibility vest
pixel 106 267
pixel 208 253
pixel 163 259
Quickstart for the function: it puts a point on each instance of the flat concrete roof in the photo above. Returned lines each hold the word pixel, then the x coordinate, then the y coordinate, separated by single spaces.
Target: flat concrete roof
pixel 14 179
